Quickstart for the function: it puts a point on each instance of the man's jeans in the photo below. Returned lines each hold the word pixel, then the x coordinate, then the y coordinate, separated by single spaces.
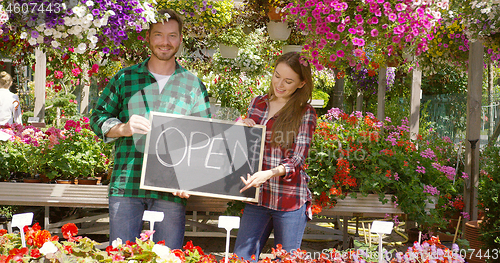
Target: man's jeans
pixel 258 222
pixel 125 220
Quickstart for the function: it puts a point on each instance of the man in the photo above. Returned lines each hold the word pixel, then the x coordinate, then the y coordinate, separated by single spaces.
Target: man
pixel 157 84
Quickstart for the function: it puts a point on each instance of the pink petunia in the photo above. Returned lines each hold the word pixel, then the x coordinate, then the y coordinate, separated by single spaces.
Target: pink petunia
pixel 333 57
pixel 341 28
pixel 340 53
pixel 374 32
pixel 392 17
pixel 336 37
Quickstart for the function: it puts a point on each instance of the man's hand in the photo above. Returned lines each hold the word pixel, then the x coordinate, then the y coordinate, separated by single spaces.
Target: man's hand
pixel 181 194
pixel 135 125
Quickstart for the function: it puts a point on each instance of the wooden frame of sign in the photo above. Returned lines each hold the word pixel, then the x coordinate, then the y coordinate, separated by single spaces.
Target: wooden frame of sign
pixel 201 156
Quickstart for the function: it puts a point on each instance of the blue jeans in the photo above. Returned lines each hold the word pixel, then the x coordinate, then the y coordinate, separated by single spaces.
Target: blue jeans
pixel 258 222
pixel 125 220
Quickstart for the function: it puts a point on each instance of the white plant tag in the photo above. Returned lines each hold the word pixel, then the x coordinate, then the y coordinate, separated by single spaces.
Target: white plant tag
pixel 21 220
pixel 229 222
pixel 152 217
pixel 382 227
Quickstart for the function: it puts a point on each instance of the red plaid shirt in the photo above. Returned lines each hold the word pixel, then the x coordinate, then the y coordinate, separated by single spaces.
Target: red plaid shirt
pixel 288 192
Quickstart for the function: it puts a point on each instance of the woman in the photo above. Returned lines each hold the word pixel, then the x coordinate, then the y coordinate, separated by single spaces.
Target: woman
pixel 9 102
pixel 284 199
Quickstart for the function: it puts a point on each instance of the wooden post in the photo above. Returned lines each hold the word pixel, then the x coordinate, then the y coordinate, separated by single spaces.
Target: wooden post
pixel 359 101
pixel 40 76
pixel 85 92
pixel 416 91
pixel 382 86
pixel 474 90
pixel 337 98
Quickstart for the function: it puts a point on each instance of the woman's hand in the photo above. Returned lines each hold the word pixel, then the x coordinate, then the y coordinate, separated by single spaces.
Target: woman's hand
pixel 255 180
pixel 247 122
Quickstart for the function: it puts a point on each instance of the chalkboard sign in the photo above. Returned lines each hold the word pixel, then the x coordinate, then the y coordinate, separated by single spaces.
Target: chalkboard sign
pixel 201 156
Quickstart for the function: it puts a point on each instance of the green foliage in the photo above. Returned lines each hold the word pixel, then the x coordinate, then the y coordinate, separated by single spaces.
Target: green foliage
pixel 232 36
pixel 448 80
pixel 318 94
pixel 489 197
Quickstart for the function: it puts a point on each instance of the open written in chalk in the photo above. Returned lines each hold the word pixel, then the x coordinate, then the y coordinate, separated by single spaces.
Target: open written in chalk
pixel 201 156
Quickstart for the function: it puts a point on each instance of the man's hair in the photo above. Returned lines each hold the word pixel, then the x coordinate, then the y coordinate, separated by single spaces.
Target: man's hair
pixel 173 16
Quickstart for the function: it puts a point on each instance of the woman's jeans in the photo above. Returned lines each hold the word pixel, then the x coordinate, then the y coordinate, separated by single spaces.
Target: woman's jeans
pixel 258 222
pixel 125 220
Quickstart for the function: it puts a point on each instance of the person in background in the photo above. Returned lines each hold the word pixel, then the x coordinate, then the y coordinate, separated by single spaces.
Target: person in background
pixel 284 198
pixel 10 110
pixel 157 84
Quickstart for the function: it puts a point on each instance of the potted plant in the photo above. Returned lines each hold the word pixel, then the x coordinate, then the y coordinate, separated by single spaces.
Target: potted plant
pixel 230 41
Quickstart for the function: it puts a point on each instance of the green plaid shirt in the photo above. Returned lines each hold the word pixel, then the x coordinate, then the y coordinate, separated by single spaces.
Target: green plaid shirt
pixel 134 90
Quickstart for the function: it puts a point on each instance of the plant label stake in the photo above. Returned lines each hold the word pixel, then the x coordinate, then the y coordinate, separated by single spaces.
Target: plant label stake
pixel 228 222
pixel 152 217
pixel 381 227
pixel 20 221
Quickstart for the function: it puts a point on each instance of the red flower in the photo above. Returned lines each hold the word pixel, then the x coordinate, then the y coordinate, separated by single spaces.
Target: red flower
pixel 110 249
pixel 316 209
pixel 3 232
pixel 35 253
pixel 178 253
pixel 189 245
pixel 69 230
pixel 68 249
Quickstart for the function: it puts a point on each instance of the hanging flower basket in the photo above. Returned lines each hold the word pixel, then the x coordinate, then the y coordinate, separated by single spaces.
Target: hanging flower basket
pixel 228 51
pixel 292 48
pixel 278 30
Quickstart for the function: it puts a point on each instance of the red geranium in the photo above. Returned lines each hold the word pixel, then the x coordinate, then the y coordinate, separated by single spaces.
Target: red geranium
pixel 69 230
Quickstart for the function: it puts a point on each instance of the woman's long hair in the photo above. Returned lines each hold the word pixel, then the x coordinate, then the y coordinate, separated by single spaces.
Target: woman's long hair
pixel 289 118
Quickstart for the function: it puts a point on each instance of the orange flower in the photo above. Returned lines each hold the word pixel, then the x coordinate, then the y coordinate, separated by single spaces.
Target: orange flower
pixel 41 237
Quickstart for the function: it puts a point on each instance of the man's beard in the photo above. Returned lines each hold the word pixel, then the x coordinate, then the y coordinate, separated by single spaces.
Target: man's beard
pixel 164 56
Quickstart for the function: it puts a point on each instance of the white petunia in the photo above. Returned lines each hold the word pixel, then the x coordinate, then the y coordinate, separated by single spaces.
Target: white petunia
pixel 97 23
pixel 57 34
pixel 39 39
pixel 47 248
pixel 32 41
pixel 89 3
pixel 48 31
pixel 23 35
pixel 89 17
pixel 81 48
pixel 93 39
pixel 55 44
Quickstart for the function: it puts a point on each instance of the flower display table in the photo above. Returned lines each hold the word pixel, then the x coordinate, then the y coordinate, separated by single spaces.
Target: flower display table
pixel 95 196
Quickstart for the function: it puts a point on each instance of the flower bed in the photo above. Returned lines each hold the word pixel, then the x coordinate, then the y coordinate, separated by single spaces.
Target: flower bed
pixel 41 246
